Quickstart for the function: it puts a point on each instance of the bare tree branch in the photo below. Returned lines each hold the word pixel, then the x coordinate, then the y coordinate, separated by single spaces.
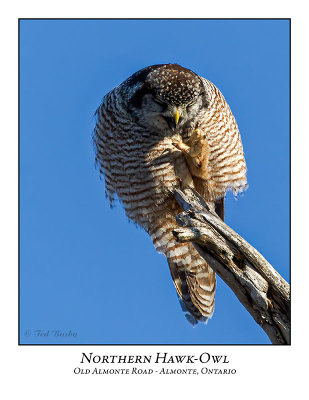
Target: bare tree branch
pixel 258 286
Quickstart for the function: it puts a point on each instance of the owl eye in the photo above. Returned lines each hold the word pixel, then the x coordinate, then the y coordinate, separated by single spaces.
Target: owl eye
pixel 158 101
pixel 161 104
pixel 188 106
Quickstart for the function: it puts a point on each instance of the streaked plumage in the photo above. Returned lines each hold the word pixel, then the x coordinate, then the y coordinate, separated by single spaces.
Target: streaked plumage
pixel 136 152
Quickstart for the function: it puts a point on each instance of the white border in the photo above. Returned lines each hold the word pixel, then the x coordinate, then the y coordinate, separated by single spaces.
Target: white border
pixel 38 372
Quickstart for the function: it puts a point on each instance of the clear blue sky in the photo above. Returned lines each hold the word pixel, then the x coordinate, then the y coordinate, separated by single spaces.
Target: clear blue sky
pixel 83 266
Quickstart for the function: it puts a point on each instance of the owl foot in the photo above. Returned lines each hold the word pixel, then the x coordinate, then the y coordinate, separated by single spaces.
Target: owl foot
pixel 179 144
pixel 195 149
pixel 197 143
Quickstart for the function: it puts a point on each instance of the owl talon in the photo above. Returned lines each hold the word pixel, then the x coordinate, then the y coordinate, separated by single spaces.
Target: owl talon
pixel 165 151
pixel 197 162
pixel 179 144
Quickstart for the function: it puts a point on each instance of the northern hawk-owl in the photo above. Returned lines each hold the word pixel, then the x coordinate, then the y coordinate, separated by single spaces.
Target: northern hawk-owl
pixel 166 127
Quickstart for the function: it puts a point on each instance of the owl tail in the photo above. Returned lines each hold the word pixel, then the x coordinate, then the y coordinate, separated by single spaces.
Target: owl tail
pixel 195 283
pixel 194 280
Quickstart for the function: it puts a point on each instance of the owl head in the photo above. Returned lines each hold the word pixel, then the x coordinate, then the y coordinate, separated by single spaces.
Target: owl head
pixel 165 98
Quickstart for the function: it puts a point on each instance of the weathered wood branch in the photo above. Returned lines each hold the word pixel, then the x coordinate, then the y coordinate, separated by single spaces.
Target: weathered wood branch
pixel 258 286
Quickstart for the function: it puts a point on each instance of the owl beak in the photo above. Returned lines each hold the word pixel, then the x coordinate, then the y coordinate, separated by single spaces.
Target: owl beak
pixel 176 116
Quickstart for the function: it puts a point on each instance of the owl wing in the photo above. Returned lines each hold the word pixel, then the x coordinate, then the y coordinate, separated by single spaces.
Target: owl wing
pixel 226 163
